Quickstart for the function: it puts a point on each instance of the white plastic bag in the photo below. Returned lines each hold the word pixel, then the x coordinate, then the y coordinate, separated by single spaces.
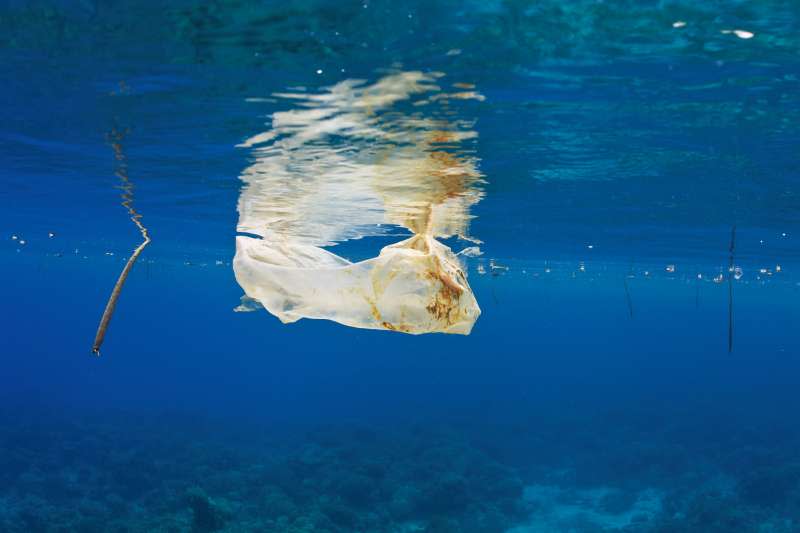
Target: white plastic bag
pixel 343 167
pixel 414 286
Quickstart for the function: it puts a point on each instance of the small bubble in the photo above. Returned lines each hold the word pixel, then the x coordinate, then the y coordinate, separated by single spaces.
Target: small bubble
pixel 51 234
pixel 14 237
pixel 319 71
pixel 678 24
pixel 22 242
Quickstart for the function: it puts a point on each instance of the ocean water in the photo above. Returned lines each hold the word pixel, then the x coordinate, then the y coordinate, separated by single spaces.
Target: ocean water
pixel 617 181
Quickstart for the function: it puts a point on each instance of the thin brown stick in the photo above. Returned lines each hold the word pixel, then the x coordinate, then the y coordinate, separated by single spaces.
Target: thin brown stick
pixel 116 138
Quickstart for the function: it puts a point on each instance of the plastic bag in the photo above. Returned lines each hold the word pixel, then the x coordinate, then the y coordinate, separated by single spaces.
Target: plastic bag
pixel 414 286
pixel 343 167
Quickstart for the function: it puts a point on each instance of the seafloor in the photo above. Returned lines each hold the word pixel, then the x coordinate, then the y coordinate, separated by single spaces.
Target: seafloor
pixel 604 471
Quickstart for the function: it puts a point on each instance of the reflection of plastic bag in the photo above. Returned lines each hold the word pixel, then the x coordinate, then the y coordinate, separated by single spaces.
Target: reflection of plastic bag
pixel 414 286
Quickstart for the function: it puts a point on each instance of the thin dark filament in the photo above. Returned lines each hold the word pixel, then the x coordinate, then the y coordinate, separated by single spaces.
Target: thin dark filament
pixel 115 138
pixel 628 297
pixel 731 250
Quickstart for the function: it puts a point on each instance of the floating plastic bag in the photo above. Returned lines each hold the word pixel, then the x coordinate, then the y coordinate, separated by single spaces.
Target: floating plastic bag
pixel 347 165
pixel 414 286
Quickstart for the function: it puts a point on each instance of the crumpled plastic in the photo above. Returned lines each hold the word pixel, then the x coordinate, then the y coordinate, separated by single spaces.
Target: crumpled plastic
pixel 342 167
pixel 414 286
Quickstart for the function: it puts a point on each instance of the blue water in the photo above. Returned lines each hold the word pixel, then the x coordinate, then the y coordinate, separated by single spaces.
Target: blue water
pixel 628 371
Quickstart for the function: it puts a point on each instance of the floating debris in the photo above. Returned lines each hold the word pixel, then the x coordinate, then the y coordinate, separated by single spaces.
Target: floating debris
pixel 741 34
pixel 365 165
pixel 115 138
pixel 497 269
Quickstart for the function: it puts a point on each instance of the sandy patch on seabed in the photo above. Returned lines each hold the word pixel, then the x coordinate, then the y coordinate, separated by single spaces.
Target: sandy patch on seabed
pixel 564 510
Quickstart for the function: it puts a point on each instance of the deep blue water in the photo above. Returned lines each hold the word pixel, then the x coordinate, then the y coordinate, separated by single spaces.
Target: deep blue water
pixel 628 371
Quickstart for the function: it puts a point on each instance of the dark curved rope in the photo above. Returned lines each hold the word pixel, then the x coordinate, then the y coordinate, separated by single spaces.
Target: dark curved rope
pixel 115 137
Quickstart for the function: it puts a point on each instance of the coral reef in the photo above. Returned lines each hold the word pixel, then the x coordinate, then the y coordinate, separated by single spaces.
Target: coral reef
pixel 173 474
pixel 206 515
pixel 100 476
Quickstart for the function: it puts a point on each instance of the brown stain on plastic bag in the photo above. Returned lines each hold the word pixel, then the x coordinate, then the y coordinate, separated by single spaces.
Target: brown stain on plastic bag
pixel 446 305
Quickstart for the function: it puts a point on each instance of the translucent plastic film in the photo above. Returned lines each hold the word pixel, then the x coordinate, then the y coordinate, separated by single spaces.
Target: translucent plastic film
pixel 361 161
